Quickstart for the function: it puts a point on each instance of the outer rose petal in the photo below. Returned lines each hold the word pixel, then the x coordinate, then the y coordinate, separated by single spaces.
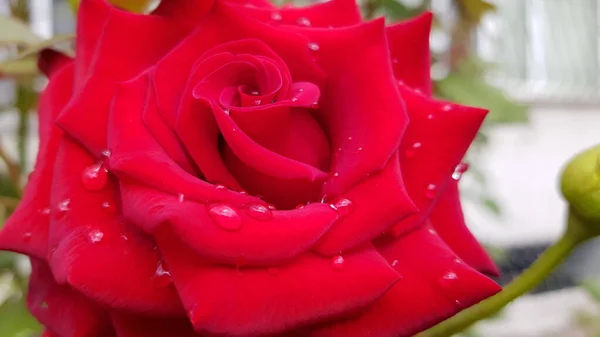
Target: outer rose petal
pixel 93 243
pixel 63 310
pixel 448 220
pixel 362 142
pixel 378 202
pixel 278 237
pixel 112 46
pixel 269 301
pixel 26 231
pixel 409 48
pixel 127 325
pixel 434 286
pixel 436 140
pixel 333 13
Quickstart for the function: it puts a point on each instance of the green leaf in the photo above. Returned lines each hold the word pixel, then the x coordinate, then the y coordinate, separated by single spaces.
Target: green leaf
pixel 474 10
pixel 55 40
pixel 15 31
pixel 19 67
pixel 592 287
pixel 16 321
pixel 475 91
pixel 491 206
pixel 397 11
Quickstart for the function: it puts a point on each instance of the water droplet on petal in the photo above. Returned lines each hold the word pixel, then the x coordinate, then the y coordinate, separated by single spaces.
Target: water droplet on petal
pixel 315 105
pixel 124 237
pixel 432 231
pixel 294 99
pixel 337 262
pixel 254 93
pixel 260 212
pixel 395 60
pixel 62 209
pixel 459 170
pixel 95 236
pixel 313 46
pixel 225 217
pixel 336 174
pixel 257 102
pixel 180 197
pixel 412 150
pixel 226 111
pixel 301 206
pixel 394 263
pixel 106 153
pixel 45 211
pixel 304 22
pixel 430 191
pixel 271 207
pixel 448 280
pixel 162 276
pixel 349 138
pixel 276 16
pixel 220 187
pixel 457 260
pixel 108 207
pixel 95 177
pixel 243 192
pixel 360 148
pixel 447 107
pixel 343 206
pixel 27 236
pixel 273 271
pixel 430 116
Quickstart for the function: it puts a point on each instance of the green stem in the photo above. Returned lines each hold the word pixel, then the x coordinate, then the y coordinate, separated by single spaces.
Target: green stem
pixel 530 279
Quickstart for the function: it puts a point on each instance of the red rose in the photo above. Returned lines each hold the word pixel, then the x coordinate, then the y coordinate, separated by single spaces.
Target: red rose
pixel 143 215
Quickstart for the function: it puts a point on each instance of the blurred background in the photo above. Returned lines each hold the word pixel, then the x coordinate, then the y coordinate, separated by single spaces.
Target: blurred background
pixel 534 63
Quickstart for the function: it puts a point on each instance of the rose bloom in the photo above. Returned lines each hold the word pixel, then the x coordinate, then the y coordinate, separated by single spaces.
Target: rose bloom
pixel 229 168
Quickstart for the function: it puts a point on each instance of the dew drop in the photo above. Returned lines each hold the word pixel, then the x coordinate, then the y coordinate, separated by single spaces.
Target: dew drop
pixel 313 46
pixel 225 217
pixel 430 191
pixel 108 207
pixel 336 174
pixel 304 22
pixel 315 105
pixel 448 280
pixel 457 260
pixel 432 231
pixel 271 207
pixel 394 263
pixel 62 209
pixel 360 148
pixel 180 197
pixel 226 111
pixel 350 138
pixel 106 153
pixel 257 102
pixel 162 275
pixel 343 206
pixel 337 262
pixel 395 60
pixel 243 192
pixel 254 93
pixel 95 236
pixel 45 211
pixel 447 107
pixel 260 212
pixel 459 170
pixel 294 99
pixel 430 116
pixel 412 150
pixel 124 237
pixel 95 177
pixel 27 236
pixel 220 187
pixel 276 16
pixel 301 206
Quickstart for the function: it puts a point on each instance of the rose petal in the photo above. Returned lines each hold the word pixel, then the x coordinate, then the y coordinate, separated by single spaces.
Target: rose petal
pixel 434 286
pixel 364 141
pixel 112 46
pixel 26 231
pixel 378 203
pixel 127 325
pixel 50 61
pixel 93 243
pixel 334 13
pixel 134 151
pixel 262 237
pixel 436 140
pixel 63 310
pixel 268 301
pixel 409 48
pixel 448 221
